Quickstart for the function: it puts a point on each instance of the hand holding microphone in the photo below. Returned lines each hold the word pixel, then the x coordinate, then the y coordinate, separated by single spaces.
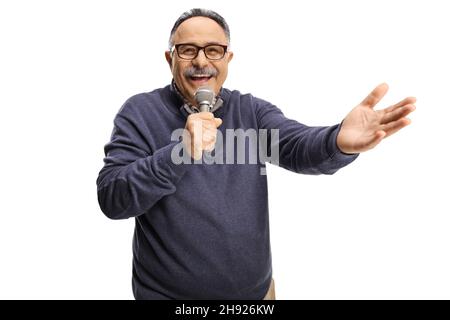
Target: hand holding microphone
pixel 201 128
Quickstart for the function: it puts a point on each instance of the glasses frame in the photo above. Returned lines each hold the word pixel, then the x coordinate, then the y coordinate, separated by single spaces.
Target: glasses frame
pixel 225 50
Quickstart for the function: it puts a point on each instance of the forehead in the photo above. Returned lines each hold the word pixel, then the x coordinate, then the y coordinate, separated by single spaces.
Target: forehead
pixel 199 30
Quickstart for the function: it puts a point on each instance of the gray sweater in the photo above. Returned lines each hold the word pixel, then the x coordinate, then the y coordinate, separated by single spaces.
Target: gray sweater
pixel 202 230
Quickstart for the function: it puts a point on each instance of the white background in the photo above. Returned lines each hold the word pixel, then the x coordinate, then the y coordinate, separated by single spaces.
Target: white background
pixel 378 229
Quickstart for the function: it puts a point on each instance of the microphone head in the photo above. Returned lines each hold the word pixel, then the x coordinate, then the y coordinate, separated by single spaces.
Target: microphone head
pixel 204 97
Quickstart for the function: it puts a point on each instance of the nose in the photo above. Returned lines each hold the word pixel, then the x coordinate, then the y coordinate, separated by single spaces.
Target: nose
pixel 200 61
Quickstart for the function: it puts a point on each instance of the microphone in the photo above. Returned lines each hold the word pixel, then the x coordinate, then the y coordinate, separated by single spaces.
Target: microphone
pixel 204 97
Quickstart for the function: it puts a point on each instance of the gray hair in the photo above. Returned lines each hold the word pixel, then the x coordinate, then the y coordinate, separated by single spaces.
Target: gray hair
pixel 197 12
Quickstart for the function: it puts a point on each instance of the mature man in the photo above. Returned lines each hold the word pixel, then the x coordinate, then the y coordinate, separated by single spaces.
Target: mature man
pixel 202 229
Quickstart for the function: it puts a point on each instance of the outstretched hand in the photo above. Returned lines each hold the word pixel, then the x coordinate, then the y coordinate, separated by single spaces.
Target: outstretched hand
pixel 363 128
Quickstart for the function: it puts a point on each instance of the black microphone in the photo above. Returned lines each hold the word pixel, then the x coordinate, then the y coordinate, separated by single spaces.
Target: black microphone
pixel 204 97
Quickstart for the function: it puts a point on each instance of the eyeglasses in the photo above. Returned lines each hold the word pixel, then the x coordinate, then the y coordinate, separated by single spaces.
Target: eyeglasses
pixel 188 51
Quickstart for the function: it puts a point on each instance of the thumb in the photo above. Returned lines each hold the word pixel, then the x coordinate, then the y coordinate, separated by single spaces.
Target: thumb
pixel 376 95
pixel 218 122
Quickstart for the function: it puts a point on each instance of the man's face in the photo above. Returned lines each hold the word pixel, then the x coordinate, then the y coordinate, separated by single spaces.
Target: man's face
pixel 200 31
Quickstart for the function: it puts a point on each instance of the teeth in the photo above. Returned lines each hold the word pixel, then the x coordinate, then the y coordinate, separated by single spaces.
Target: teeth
pixel 200 76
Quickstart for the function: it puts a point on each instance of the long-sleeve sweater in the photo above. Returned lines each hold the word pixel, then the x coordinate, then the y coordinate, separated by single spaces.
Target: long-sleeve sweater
pixel 201 230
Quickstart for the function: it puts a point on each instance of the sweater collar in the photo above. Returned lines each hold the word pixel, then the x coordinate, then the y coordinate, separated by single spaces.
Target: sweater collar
pixel 188 107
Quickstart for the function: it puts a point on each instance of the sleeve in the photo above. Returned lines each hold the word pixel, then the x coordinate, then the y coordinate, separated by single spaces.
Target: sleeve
pixel 302 149
pixel 134 177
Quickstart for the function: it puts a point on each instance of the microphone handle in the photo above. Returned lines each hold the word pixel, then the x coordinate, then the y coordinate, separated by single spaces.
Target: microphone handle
pixel 205 107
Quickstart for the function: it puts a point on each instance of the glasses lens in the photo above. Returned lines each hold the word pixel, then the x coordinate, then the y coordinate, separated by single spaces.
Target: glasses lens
pixel 187 51
pixel 214 52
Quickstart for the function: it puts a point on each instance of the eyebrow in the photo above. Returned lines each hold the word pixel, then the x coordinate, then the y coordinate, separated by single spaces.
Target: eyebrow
pixel 206 44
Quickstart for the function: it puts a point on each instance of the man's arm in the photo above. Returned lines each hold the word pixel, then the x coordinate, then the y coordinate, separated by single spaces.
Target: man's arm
pixel 134 177
pixel 303 149
pixel 317 150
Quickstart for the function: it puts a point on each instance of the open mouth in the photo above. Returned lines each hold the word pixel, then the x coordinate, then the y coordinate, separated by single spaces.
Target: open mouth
pixel 199 79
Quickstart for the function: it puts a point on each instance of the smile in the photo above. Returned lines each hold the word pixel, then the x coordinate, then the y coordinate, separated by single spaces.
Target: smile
pixel 199 79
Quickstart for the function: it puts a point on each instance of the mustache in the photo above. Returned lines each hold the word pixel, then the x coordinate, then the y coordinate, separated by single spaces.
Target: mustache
pixel 193 71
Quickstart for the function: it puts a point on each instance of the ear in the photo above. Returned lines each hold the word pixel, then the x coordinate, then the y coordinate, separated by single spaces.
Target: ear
pixel 230 56
pixel 169 58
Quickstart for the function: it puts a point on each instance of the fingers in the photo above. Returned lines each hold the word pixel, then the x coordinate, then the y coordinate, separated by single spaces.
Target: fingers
pixel 197 143
pixel 395 126
pixel 399 112
pixel 206 119
pixel 203 115
pixel 212 124
pixel 202 133
pixel 408 100
pixel 218 122
pixel 208 116
pixel 376 95
pixel 210 135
